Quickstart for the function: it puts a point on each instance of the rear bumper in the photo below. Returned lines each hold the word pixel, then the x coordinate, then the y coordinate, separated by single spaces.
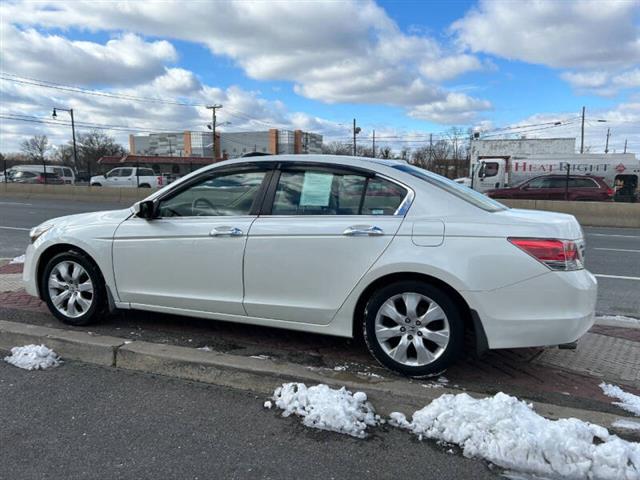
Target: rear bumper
pixel 552 309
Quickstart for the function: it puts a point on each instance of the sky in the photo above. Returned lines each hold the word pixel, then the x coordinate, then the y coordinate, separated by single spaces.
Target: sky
pixel 405 69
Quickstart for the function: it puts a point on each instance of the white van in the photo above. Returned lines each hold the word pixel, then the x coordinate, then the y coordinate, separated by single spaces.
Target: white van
pixel 64 172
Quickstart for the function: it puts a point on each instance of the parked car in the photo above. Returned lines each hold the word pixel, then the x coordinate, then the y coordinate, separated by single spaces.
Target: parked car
pixel 24 176
pixel 129 177
pixel 65 173
pixel 554 187
pixel 299 242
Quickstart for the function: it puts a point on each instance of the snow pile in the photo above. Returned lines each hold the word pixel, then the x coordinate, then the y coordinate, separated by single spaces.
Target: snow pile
pixel 629 401
pixel 507 432
pixel 33 357
pixel 626 424
pixel 19 259
pixel 326 408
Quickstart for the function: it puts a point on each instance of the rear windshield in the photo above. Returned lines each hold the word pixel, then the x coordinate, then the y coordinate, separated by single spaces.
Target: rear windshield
pixel 460 191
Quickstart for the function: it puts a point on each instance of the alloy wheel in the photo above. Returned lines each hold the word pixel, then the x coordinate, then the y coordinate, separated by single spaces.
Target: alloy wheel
pixel 412 329
pixel 70 289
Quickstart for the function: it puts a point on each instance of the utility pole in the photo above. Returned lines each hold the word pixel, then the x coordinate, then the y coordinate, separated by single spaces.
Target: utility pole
pixel 213 127
pixel 356 130
pixel 73 136
pixel 170 150
pixel 582 133
pixel 625 146
pixel 374 144
pixel 606 147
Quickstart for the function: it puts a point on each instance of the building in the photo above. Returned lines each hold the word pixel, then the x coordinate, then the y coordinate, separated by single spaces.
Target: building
pixel 228 145
pixel 481 148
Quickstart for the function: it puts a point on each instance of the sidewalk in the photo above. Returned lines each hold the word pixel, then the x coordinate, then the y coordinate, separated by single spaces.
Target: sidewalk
pixel 609 353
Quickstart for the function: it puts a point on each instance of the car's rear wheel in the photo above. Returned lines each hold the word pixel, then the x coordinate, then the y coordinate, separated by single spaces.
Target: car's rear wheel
pixel 414 328
pixel 73 288
pixel 96 184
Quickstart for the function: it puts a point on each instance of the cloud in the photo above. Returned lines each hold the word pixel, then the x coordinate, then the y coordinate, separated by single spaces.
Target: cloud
pixel 124 60
pixel 246 110
pixel 564 34
pixel 447 68
pixel 349 51
pixel 455 109
pixel 602 83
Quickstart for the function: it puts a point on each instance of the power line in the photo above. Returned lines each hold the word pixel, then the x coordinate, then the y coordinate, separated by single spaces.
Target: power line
pixel 119 96
pixel 91 126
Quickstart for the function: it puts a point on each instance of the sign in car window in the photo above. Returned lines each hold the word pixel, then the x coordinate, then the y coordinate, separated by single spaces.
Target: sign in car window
pixel 316 189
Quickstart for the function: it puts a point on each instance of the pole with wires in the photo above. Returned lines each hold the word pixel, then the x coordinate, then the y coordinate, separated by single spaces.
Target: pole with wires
pixel 356 130
pixel 373 146
pixel 582 132
pixel 606 146
pixel 213 109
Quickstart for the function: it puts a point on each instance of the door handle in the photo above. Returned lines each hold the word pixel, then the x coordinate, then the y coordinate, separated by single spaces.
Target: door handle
pixel 363 230
pixel 226 232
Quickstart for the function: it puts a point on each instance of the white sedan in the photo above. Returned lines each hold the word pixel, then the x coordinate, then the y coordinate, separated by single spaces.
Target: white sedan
pixel 325 244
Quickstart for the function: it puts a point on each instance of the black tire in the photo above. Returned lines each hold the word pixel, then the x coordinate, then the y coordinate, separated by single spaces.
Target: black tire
pixel 99 302
pixel 96 184
pixel 144 185
pixel 451 352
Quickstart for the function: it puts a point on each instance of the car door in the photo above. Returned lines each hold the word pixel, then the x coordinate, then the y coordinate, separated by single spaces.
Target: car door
pixel 190 257
pixel 535 189
pixel 126 178
pixel 322 229
pixel 111 177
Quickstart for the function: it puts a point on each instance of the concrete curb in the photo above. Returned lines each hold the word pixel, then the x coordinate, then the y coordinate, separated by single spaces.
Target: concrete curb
pixel 96 349
pixel 260 375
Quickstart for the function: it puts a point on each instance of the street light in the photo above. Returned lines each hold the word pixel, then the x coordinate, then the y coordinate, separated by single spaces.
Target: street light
pixel 73 133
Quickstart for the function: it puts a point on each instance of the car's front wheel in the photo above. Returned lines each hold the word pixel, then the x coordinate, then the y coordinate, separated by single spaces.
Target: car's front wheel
pixel 414 328
pixel 73 288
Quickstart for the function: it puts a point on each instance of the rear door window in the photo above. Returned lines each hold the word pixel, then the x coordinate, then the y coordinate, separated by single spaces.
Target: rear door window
pixel 319 192
pixel 382 197
pixel 582 183
pixel 125 172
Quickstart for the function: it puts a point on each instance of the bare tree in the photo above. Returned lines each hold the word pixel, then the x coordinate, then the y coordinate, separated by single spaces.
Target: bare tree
pixel 385 152
pixel 422 157
pixel 36 148
pixel 63 154
pixel 93 145
pixel 337 148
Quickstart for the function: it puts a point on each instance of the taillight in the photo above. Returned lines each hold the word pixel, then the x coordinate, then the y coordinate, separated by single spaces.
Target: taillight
pixel 556 254
pixel 159 180
pixel 40 179
pixel 610 192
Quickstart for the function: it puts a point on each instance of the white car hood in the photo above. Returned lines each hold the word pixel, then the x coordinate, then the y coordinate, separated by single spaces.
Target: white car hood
pixel 108 217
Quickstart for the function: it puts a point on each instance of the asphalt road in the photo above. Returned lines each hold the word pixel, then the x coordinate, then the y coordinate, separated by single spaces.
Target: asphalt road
pixel 613 254
pixel 88 422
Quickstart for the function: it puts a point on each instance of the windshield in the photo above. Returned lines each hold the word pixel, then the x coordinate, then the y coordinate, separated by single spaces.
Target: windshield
pixel 460 191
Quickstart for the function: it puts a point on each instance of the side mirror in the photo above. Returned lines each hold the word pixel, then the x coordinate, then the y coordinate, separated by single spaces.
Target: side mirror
pixel 146 209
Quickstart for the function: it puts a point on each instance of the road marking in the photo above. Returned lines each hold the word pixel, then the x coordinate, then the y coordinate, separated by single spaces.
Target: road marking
pixel 618 250
pixel 620 277
pixel 15 228
pixel 16 203
pixel 611 235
